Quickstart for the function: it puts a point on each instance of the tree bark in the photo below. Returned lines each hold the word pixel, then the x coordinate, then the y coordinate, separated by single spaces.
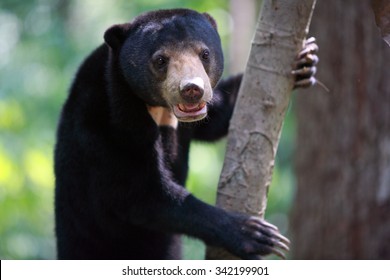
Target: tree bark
pixel 342 205
pixel 262 102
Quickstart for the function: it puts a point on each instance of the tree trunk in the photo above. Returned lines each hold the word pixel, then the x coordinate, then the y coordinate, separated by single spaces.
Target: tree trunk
pixel 342 205
pixel 262 102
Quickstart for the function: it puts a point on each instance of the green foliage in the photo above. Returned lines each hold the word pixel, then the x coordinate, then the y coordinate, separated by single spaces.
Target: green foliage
pixel 42 42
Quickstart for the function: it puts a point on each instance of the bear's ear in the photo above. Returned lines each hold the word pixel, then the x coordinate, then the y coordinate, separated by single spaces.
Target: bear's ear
pixel 211 20
pixel 116 35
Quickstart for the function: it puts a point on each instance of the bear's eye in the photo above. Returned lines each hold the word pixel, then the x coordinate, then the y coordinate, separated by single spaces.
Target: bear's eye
pixel 205 55
pixel 161 61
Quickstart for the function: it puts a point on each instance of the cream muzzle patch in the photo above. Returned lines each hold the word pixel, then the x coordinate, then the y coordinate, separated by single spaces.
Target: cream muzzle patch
pixel 185 70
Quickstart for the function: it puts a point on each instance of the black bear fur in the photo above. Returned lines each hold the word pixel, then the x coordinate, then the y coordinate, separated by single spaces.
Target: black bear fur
pixel 119 175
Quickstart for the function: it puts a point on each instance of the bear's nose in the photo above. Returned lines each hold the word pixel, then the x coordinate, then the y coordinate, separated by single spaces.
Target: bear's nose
pixel 191 93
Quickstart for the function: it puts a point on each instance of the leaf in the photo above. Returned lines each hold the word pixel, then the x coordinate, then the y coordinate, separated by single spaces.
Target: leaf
pixel 381 10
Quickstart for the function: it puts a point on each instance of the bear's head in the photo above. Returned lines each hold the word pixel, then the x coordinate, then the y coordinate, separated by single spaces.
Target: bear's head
pixel 170 58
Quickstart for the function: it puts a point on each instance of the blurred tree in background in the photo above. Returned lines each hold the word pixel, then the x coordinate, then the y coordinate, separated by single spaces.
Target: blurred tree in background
pixel 342 204
pixel 42 43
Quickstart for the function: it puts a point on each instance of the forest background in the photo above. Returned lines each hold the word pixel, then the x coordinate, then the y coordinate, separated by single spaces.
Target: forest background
pixel 344 185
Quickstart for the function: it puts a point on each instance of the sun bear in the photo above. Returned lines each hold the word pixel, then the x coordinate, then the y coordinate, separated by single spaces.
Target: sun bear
pixel 121 156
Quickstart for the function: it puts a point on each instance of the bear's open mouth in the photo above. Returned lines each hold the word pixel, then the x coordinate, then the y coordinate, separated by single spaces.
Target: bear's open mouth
pixel 190 112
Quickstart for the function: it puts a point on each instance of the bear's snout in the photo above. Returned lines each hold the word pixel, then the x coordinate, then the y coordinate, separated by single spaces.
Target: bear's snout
pixel 191 93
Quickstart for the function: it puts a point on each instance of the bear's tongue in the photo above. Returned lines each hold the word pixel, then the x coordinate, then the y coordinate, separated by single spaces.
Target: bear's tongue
pixel 188 108
pixel 190 112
